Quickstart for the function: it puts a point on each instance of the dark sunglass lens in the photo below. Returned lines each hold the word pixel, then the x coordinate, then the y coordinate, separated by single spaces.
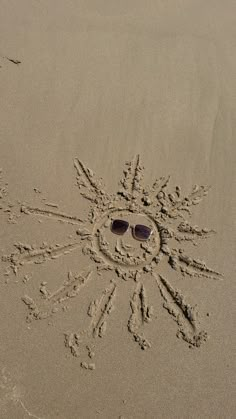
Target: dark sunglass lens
pixel 119 226
pixel 142 232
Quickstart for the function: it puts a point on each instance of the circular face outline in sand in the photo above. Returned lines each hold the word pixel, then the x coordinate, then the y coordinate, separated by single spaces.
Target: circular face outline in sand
pixel 132 254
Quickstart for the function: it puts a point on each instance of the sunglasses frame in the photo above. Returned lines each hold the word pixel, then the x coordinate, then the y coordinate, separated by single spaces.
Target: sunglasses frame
pixel 132 226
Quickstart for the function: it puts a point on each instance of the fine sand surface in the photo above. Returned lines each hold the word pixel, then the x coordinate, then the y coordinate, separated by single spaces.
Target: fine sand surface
pixel 117 110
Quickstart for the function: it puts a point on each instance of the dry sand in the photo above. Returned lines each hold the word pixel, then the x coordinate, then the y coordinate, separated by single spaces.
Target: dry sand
pixel 100 103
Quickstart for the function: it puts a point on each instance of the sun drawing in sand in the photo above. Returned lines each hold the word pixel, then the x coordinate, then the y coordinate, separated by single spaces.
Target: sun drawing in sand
pixel 161 212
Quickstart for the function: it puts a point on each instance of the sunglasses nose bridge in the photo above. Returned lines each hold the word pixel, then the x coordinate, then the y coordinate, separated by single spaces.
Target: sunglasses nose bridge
pixel 132 228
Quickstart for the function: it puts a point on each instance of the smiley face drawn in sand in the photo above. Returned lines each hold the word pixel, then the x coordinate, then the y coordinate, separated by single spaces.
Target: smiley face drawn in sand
pixel 126 250
pixel 125 257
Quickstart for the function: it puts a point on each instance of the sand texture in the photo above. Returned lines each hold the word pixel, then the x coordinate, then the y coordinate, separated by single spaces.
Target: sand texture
pixel 117 111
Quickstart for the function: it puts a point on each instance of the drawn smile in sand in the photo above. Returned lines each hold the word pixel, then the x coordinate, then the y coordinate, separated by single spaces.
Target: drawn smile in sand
pixel 127 233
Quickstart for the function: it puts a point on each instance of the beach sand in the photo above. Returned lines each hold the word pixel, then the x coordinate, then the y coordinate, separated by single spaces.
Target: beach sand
pixel 117 110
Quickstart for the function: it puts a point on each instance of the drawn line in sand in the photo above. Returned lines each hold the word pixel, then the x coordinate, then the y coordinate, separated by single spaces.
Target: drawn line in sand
pixel 28 254
pixel 167 213
pixel 60 216
pixel 141 314
pixel 50 302
pixel 184 314
pixel 98 310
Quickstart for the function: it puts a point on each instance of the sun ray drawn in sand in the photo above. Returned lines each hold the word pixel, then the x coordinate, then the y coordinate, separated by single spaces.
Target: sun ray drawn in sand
pixel 165 213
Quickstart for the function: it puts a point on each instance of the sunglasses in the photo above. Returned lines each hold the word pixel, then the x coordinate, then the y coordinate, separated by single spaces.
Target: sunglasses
pixel 139 231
